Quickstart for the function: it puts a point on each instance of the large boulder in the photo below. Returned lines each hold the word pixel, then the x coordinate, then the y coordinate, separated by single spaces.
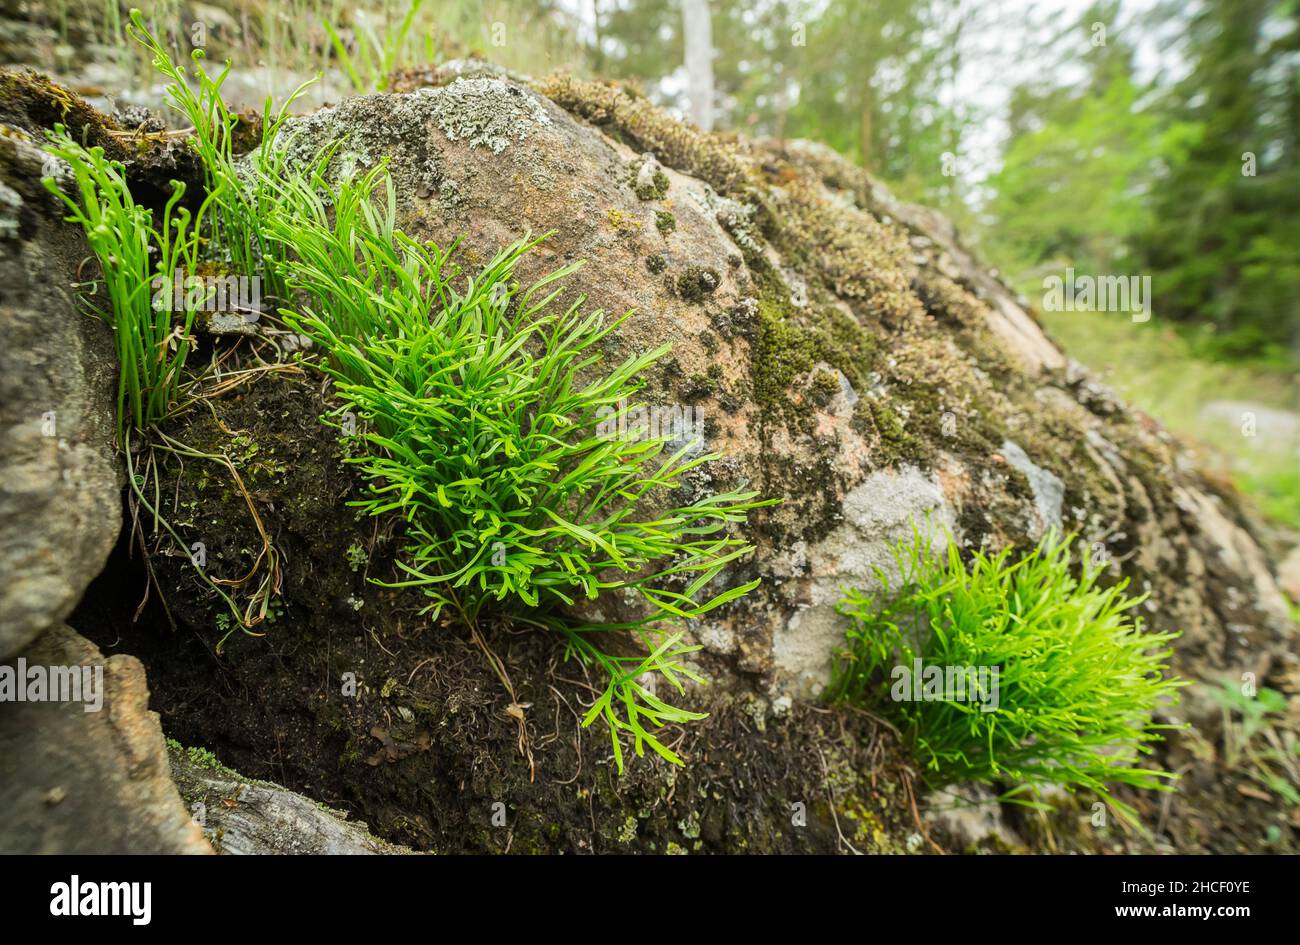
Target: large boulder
pixel 850 357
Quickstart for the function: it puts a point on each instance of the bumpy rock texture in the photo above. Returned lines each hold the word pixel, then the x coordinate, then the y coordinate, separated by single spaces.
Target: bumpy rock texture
pixel 60 502
pixel 78 781
pixel 851 359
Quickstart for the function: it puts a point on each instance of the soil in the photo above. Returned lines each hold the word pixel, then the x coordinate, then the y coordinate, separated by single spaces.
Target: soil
pixel 426 751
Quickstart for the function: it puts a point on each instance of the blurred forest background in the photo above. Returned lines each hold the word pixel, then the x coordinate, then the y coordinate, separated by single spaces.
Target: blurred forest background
pixel 1154 138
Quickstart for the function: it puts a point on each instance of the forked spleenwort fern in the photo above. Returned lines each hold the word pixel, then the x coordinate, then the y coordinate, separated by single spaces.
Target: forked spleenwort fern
pixel 481 409
pixel 477 404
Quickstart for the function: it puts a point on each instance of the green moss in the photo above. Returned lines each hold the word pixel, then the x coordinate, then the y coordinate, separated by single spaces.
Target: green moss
pixel 791 341
pixel 621 221
pixel 628 832
pixel 825 385
pixel 697 283
pixel 783 352
pixel 880 423
pixel 666 222
pixel 699 386
pixel 198 757
pixel 637 122
pixel 656 263
pixel 848 346
pixel 654 189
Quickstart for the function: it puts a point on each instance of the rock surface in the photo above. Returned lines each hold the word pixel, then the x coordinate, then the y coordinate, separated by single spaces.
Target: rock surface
pixel 1288 573
pixel 841 344
pixel 60 498
pixel 242 816
pixel 78 781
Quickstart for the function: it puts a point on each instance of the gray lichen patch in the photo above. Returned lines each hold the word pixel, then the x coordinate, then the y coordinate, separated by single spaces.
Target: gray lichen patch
pixel 364 130
pixel 10 205
pixel 486 112
pixel 879 511
pixel 413 129
pixel 1048 490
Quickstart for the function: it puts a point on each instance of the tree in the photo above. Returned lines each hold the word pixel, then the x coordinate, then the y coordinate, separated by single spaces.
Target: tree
pixel 1223 244
pixel 867 77
pixel 699 60
pixel 1079 160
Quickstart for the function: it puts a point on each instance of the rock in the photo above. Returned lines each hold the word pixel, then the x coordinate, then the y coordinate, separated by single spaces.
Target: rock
pixel 1253 629
pixel 1048 490
pixel 1288 574
pixel 968 817
pixel 60 497
pixel 863 366
pixel 1005 317
pixel 877 513
pixel 1259 425
pixel 417 77
pixel 75 779
pixel 243 816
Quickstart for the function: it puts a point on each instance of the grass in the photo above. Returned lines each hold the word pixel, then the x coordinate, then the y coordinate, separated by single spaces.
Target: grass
pixel 377 54
pixel 291 39
pixel 1259 739
pixel 481 411
pixel 135 252
pixel 1078 677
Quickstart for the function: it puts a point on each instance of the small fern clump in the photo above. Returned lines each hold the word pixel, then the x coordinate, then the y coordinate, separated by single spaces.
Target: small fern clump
pixel 481 411
pixel 240 200
pixel 1060 681
pixel 134 251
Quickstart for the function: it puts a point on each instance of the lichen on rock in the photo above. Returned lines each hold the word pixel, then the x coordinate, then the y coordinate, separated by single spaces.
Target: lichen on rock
pixel 849 357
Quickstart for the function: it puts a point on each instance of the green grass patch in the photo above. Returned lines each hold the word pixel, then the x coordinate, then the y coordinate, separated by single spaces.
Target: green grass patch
pixel 1077 675
pixel 484 408
pixel 240 201
pixel 133 250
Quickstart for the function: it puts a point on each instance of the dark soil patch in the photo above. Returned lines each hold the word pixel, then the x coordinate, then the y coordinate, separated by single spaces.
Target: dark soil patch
pixel 425 751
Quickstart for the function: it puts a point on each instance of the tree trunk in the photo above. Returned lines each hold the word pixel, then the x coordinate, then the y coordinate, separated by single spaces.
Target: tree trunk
pixel 698 34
